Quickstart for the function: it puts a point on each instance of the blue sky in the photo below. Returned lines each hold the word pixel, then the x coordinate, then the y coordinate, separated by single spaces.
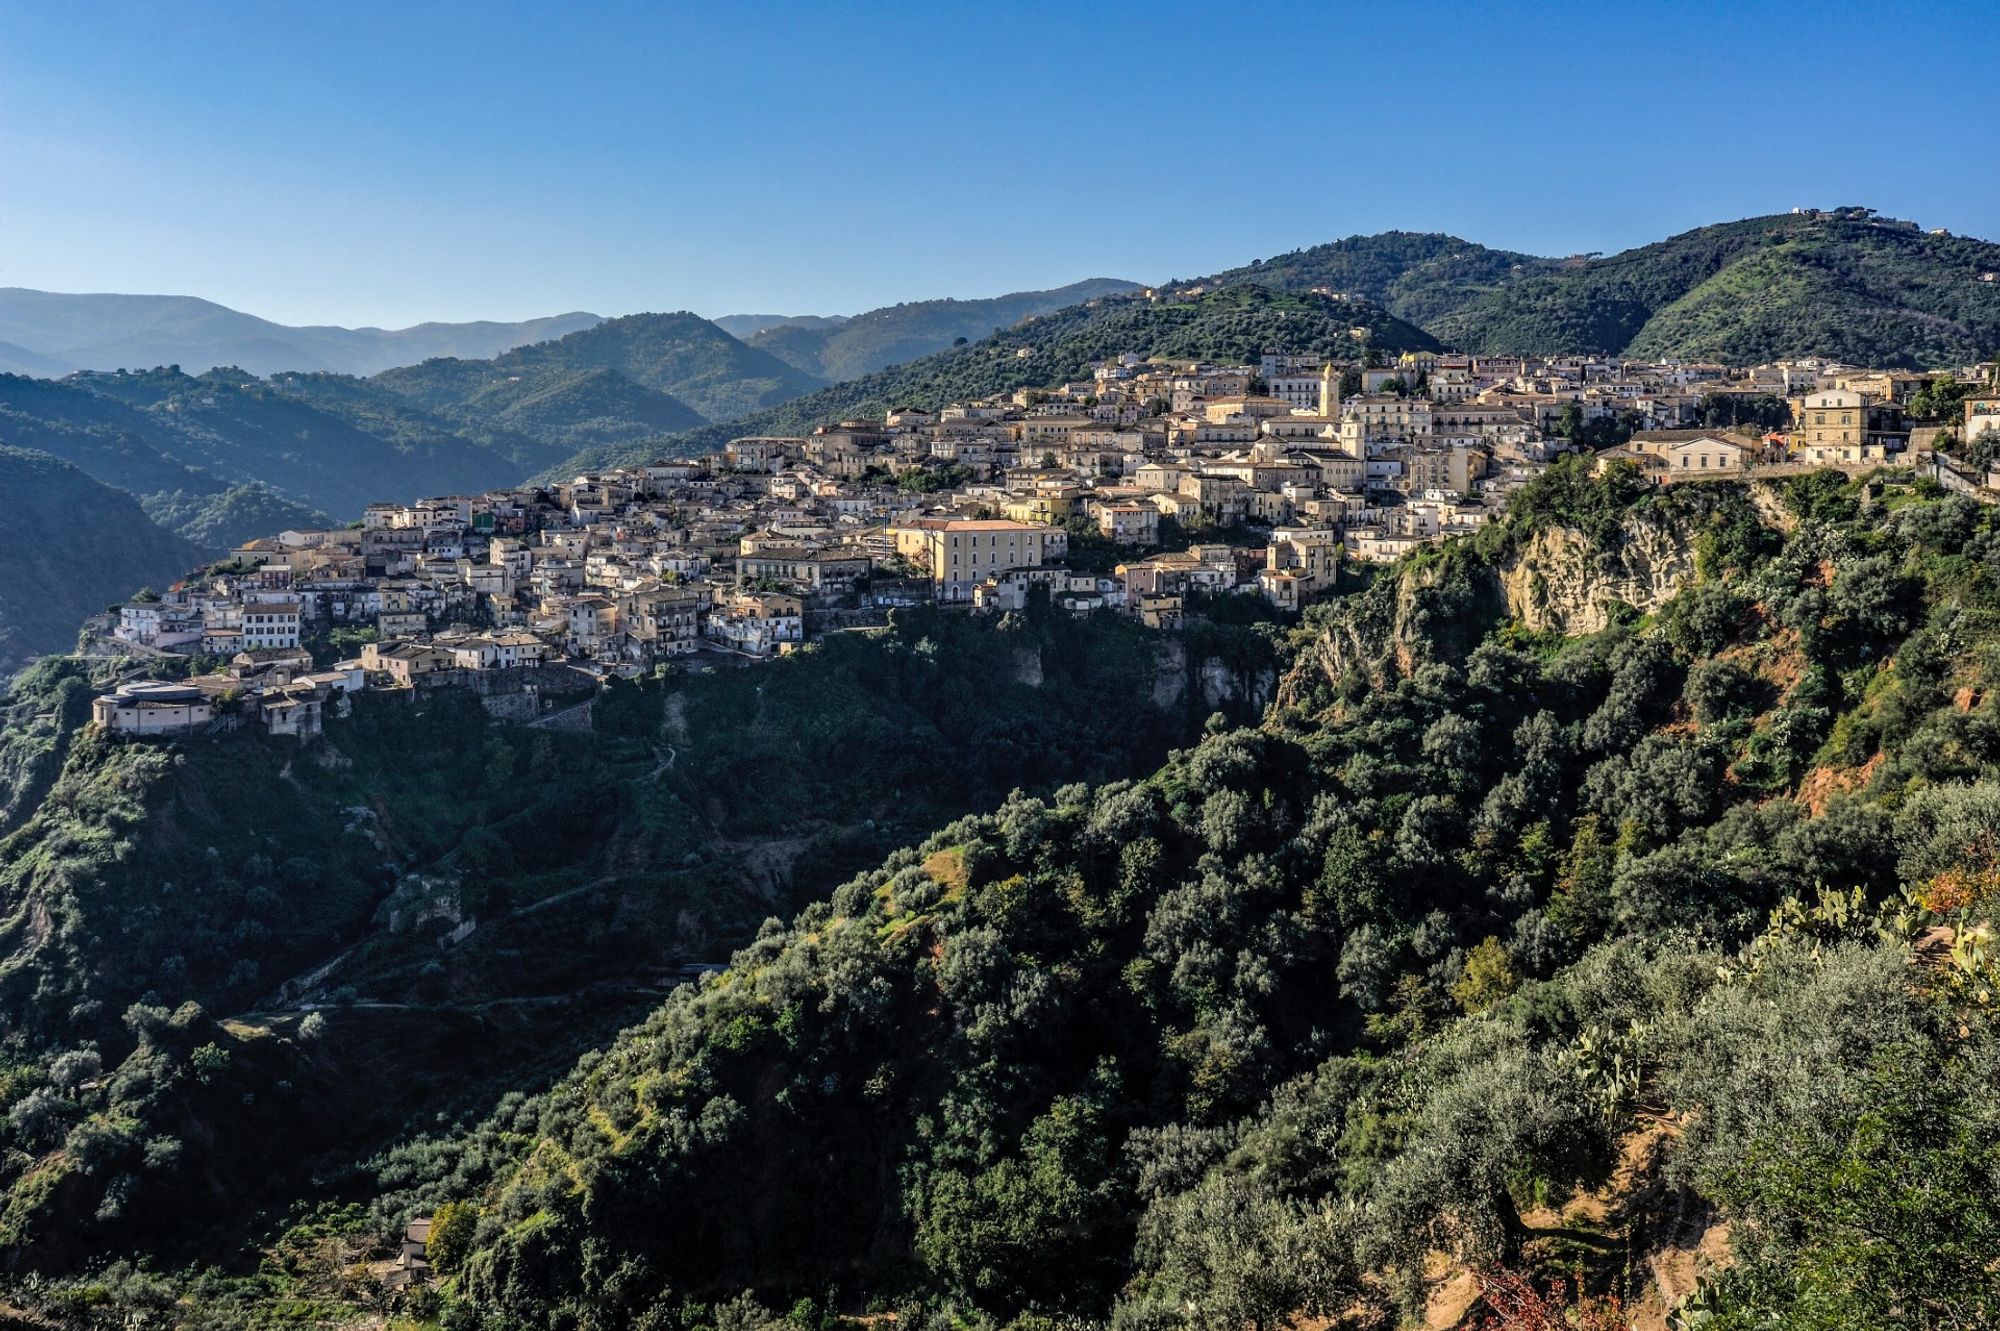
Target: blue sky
pixel 388 163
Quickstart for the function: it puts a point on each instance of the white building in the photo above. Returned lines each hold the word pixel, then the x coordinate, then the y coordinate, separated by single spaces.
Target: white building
pixel 270 624
pixel 153 707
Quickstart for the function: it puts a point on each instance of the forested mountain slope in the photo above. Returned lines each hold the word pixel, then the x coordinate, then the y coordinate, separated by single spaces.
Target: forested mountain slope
pixel 164 433
pixel 1844 284
pixel 1494 955
pixel 217 522
pixel 545 408
pixel 332 443
pixel 835 351
pixel 427 908
pixel 1228 325
pixel 1418 276
pixel 682 355
pixel 1872 291
pixel 68 547
pixel 744 326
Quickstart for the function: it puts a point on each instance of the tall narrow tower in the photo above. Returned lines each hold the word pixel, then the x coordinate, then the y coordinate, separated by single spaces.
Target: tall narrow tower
pixel 1329 389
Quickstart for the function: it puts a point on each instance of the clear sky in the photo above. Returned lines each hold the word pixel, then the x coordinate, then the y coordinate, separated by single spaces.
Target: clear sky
pixel 388 163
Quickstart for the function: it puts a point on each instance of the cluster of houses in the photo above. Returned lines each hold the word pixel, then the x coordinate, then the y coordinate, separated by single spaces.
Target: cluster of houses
pixel 1202 480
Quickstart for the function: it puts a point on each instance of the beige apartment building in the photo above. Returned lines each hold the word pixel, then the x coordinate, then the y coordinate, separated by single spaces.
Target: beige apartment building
pixel 960 553
pixel 1835 417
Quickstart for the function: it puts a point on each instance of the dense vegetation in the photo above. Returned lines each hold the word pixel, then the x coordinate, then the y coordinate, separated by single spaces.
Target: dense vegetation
pixel 1870 291
pixel 1418 276
pixel 1527 956
pixel 744 326
pixel 1236 324
pixel 188 444
pixel 217 522
pixel 112 442
pixel 69 547
pixel 164 433
pixel 546 407
pixel 834 351
pixel 682 355
pixel 427 907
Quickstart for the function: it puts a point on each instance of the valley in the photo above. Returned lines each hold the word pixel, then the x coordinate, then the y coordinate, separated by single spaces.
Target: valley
pixel 1399 784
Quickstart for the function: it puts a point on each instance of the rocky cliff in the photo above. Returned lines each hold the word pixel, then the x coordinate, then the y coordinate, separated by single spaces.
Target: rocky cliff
pixel 1439 603
pixel 1558 581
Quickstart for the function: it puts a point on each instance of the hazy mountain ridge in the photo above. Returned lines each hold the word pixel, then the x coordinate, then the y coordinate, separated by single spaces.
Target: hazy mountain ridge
pixel 67 331
pixel 743 325
pixel 241 428
pixel 19 360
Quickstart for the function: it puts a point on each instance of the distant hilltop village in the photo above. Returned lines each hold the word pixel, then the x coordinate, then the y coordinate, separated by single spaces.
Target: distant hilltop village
pixel 1149 489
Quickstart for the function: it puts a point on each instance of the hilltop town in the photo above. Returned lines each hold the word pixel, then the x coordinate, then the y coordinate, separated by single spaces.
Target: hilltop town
pixel 1149 489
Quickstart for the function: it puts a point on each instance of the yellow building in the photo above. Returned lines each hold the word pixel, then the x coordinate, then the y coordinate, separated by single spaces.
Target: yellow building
pixel 1047 509
pixel 960 553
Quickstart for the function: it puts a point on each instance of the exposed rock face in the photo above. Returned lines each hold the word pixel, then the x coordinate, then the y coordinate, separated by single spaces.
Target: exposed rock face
pixel 1208 684
pixel 1557 583
pixel 1440 604
pixel 1437 605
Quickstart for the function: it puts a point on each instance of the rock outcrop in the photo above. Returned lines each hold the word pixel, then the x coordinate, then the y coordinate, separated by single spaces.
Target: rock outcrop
pixel 1557 583
pixel 1207 683
pixel 1439 604
pixel 1435 605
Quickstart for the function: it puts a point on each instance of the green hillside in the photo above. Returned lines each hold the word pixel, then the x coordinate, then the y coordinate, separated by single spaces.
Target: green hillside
pixel 1868 294
pixel 1849 285
pixel 1493 960
pixel 1233 324
pixel 327 443
pixel 213 876
pixel 1418 276
pixel 410 425
pixel 680 354
pixel 241 428
pixel 1871 291
pixel 118 444
pixel 333 443
pixel 742 326
pixel 1541 959
pixel 833 352
pixel 69 547
pixel 216 522
pixel 548 407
